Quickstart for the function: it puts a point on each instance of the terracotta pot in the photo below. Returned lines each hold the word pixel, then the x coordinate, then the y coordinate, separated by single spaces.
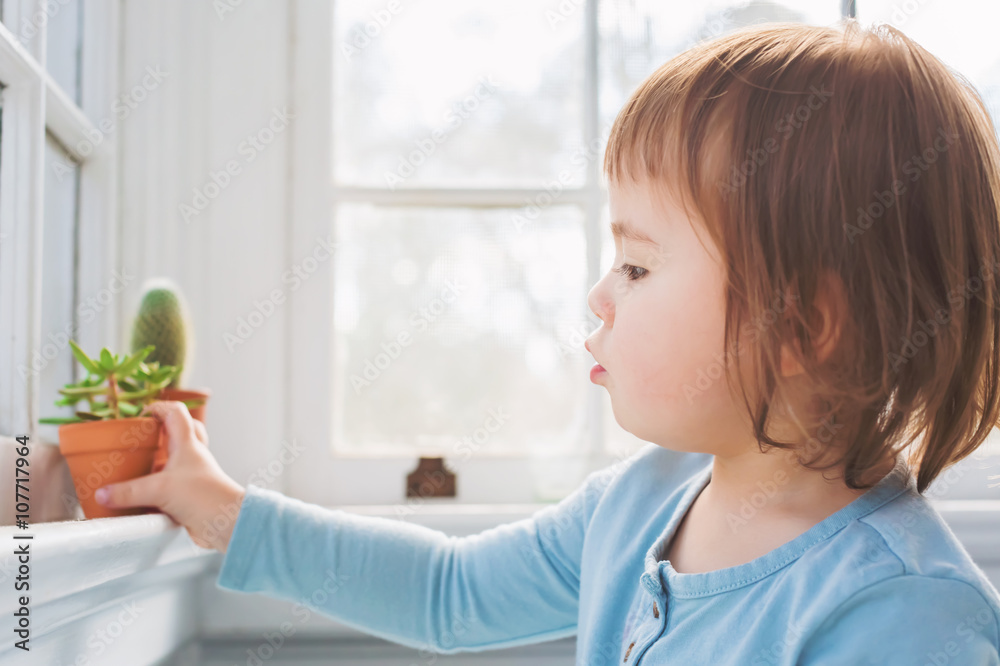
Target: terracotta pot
pixel 102 452
pixel 197 413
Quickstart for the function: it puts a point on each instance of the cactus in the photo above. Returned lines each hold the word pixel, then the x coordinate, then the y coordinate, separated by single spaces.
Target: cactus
pixel 162 322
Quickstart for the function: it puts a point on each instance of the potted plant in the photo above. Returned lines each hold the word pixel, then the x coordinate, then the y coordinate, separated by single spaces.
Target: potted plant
pixel 162 322
pixel 108 442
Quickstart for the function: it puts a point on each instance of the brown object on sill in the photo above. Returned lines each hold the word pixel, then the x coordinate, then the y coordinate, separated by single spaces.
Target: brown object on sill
pixel 430 479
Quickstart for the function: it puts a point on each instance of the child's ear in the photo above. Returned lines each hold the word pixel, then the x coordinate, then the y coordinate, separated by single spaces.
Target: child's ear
pixel 825 319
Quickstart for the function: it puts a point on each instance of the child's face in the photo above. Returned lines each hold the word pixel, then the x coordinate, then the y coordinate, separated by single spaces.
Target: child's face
pixel 661 341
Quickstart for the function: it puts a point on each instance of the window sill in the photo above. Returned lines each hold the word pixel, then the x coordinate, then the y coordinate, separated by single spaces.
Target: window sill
pixel 74 557
pixel 94 561
pixel 976 523
pixel 452 519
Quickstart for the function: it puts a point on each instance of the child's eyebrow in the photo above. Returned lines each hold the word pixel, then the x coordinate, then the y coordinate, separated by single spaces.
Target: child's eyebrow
pixel 622 229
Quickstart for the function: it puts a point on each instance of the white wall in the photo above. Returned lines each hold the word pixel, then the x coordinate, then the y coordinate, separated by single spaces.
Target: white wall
pixel 225 76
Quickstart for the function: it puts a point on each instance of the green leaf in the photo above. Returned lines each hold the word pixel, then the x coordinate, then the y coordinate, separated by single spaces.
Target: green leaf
pixel 129 365
pixel 107 361
pixel 83 390
pixel 61 420
pixel 128 384
pixel 129 409
pixel 143 393
pixel 82 357
pixel 68 401
pixel 93 416
pixel 164 374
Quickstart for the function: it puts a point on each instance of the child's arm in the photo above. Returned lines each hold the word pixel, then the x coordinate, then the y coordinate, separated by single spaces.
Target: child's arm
pixel 908 619
pixel 514 584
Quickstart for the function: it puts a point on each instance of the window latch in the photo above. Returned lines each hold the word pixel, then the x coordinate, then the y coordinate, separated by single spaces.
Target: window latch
pixel 430 479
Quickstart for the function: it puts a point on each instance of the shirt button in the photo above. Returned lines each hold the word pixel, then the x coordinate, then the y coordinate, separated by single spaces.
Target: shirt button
pixel 628 651
pixel 656 611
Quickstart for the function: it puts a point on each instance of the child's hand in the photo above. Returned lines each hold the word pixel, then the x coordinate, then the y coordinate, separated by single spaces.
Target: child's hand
pixel 191 488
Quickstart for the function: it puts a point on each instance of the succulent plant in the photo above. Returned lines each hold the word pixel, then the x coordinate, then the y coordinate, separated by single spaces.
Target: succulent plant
pixel 162 322
pixel 116 386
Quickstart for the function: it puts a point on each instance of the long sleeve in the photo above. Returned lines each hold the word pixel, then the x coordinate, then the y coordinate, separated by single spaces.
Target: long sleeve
pixel 510 585
pixel 908 619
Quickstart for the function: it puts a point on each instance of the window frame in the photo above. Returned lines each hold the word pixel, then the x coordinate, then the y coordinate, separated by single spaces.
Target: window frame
pixel 35 105
pixel 321 475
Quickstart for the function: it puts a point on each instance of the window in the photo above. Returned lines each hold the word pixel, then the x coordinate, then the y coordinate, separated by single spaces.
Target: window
pixel 480 170
pixel 56 198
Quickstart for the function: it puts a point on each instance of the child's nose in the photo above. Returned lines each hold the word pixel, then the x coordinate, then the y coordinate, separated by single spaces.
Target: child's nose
pixel 600 303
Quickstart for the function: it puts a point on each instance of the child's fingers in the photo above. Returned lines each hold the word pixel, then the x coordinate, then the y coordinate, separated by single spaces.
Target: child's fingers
pixel 201 432
pixel 177 421
pixel 143 491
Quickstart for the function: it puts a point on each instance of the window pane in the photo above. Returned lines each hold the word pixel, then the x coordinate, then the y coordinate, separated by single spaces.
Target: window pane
pixel 62 45
pixel 444 317
pixel 961 33
pixel 54 360
pixel 457 94
pixel 637 36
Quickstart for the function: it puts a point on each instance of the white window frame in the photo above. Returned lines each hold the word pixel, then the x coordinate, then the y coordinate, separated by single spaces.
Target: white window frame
pixel 33 105
pixel 320 475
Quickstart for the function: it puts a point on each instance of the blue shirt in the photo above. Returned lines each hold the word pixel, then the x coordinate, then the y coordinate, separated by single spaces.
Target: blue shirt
pixel 881 581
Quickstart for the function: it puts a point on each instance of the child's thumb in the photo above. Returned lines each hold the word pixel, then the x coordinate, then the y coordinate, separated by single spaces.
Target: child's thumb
pixel 144 491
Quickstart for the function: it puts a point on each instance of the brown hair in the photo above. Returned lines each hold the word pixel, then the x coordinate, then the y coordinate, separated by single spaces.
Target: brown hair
pixel 849 154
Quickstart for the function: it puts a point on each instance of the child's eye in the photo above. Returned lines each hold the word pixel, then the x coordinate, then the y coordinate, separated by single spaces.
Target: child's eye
pixel 631 272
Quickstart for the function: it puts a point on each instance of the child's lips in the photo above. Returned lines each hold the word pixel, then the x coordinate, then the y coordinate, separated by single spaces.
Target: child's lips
pixel 596 372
